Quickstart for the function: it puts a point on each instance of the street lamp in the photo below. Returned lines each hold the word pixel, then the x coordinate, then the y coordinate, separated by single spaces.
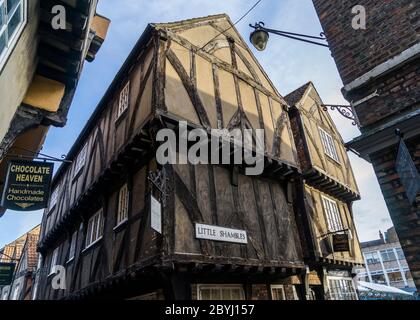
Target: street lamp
pixel 259 37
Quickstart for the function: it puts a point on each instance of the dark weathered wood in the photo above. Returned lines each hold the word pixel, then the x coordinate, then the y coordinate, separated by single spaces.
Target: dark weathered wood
pixel 281 123
pixel 190 204
pixel 160 46
pixel 143 83
pixel 220 121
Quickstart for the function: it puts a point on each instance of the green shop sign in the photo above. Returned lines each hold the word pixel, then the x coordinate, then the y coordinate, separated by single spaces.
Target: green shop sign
pixel 6 273
pixel 27 186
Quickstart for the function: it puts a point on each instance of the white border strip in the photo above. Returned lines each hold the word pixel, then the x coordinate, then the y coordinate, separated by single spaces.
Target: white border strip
pixel 384 67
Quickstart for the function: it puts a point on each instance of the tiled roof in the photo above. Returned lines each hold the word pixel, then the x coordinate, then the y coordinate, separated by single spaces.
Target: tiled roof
pixel 14 249
pixel 31 253
pixel 293 97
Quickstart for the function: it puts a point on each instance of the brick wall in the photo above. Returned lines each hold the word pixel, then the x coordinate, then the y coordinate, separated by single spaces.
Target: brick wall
pixel 392 26
pixel 406 218
pixel 298 136
pixel 399 92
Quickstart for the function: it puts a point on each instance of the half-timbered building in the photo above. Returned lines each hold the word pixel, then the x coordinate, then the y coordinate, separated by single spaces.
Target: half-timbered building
pixel 324 203
pixel 23 254
pixel 125 226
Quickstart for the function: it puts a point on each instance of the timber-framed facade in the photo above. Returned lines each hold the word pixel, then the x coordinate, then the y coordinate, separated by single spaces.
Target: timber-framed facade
pixel 327 190
pixel 200 71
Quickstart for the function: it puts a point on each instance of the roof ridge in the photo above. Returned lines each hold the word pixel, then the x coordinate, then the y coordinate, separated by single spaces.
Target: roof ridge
pixel 192 20
pixel 293 97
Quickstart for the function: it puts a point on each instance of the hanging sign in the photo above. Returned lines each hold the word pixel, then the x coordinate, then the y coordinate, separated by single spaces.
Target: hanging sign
pixel 408 172
pixel 6 273
pixel 27 186
pixel 203 231
pixel 156 215
pixel 341 242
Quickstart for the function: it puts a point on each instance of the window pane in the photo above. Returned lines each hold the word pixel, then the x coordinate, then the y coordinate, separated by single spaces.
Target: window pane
pixel 205 294
pixel 400 254
pixel 278 294
pixel 11 4
pixel 226 294
pixel 1 15
pixel 73 245
pixel 2 42
pixel 215 294
pixel 14 22
pixel 89 232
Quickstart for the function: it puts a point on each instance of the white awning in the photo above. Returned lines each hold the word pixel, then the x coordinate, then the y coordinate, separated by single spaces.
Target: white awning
pixel 366 286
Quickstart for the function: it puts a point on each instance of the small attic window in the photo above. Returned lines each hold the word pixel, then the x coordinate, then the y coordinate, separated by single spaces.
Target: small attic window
pixel 329 146
pixel 13 19
pixel 123 100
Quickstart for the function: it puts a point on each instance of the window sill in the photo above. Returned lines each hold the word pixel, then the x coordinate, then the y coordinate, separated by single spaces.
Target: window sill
pixel 121 116
pixel 120 225
pixel 333 160
pixel 92 244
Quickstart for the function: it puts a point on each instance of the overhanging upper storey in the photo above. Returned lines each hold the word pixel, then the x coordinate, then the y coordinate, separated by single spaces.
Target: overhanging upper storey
pixel 212 80
pixel 41 66
pixel 322 154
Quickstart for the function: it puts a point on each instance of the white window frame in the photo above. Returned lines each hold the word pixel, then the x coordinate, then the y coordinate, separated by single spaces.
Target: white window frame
pixel 341 295
pixel 54 260
pixel 220 287
pixel 94 230
pixel 372 260
pixel 123 100
pixel 332 214
pixel 385 255
pixel 281 287
pixel 123 201
pixel 278 287
pixel 11 43
pixel 329 146
pixel 80 160
pixel 73 244
pixel 54 198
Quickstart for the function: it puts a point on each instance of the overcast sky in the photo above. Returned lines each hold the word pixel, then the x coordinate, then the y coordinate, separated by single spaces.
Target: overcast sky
pixel 288 63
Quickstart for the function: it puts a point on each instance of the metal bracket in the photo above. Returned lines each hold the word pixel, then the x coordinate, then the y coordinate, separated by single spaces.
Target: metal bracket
pixel 345 110
pixel 160 181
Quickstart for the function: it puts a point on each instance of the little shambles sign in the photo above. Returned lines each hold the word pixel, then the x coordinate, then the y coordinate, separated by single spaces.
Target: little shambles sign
pixel 203 231
pixel 27 186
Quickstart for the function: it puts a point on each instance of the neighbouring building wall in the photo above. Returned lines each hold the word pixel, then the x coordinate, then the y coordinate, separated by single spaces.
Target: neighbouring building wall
pixel 17 73
pixel 385 263
pixel 380 69
pixel 391 30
